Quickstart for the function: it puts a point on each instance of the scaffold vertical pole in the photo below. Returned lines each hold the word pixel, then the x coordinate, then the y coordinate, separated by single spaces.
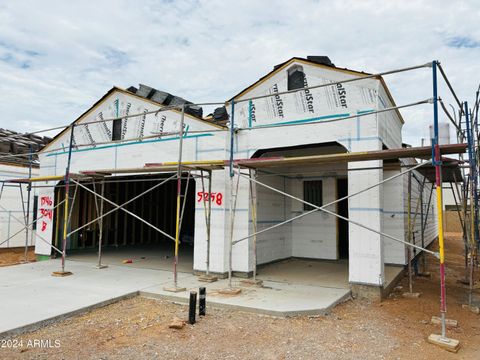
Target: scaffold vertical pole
pixel 231 173
pixel 209 219
pixel 100 227
pixel 179 196
pixel 473 187
pixel 253 197
pixel 422 225
pixel 208 211
pixel 29 191
pixel 438 183
pixel 409 233
pixel 66 207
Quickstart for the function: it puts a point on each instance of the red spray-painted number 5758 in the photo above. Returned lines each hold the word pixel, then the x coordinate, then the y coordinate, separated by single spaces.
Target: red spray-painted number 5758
pixel 217 198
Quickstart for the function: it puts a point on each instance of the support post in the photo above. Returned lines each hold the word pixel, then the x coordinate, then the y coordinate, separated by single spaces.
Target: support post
pixel 66 207
pixel 253 197
pixel 179 196
pixel 100 228
pixel 29 191
pixel 209 219
pixel 233 202
pixel 422 226
pixel 473 190
pixel 232 143
pixel 409 234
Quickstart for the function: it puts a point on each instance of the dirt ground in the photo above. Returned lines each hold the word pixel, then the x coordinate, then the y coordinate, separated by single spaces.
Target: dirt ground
pixel 13 256
pixel 396 328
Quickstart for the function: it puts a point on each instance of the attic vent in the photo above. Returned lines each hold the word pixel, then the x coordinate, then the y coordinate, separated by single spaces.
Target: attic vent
pixel 322 60
pixel 296 77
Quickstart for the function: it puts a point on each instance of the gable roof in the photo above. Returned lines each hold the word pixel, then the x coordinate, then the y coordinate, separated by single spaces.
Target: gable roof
pixel 282 66
pixel 118 89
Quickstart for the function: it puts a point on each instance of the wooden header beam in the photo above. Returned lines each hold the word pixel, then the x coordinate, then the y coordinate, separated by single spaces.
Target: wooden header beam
pixel 403 153
pixel 280 161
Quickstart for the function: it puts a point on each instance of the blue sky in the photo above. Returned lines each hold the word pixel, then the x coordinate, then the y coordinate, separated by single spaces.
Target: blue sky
pixel 58 57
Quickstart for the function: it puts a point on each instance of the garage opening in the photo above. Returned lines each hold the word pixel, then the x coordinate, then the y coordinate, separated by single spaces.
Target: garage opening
pixel 126 238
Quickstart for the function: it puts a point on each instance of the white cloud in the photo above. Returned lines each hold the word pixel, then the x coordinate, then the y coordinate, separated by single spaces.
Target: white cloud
pixel 59 57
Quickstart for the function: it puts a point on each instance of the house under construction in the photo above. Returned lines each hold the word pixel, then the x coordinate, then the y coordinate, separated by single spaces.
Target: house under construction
pixel 306 163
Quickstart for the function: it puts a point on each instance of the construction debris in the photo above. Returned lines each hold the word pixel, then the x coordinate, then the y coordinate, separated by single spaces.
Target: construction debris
pixel 424 274
pixel 12 142
pixel 207 278
pixel 62 273
pixel 438 321
pixel 174 289
pixel 230 291
pixel 177 324
pixel 251 282
pixel 411 295
pixel 474 309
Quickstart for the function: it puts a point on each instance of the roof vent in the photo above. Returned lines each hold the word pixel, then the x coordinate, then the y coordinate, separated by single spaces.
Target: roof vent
pixel 322 60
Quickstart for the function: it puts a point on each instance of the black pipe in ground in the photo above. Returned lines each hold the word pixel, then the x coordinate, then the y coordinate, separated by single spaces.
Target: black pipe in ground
pixel 192 307
pixel 202 298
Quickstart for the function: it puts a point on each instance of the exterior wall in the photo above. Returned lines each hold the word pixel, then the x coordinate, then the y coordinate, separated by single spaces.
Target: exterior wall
pixel 366 258
pixel 11 209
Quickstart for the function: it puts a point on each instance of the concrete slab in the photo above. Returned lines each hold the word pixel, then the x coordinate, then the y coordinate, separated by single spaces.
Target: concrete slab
pixel 316 272
pixel 31 297
pixel 155 257
pixel 274 298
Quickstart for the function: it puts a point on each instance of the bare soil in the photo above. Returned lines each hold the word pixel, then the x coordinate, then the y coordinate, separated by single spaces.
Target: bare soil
pixel 13 256
pixel 396 328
